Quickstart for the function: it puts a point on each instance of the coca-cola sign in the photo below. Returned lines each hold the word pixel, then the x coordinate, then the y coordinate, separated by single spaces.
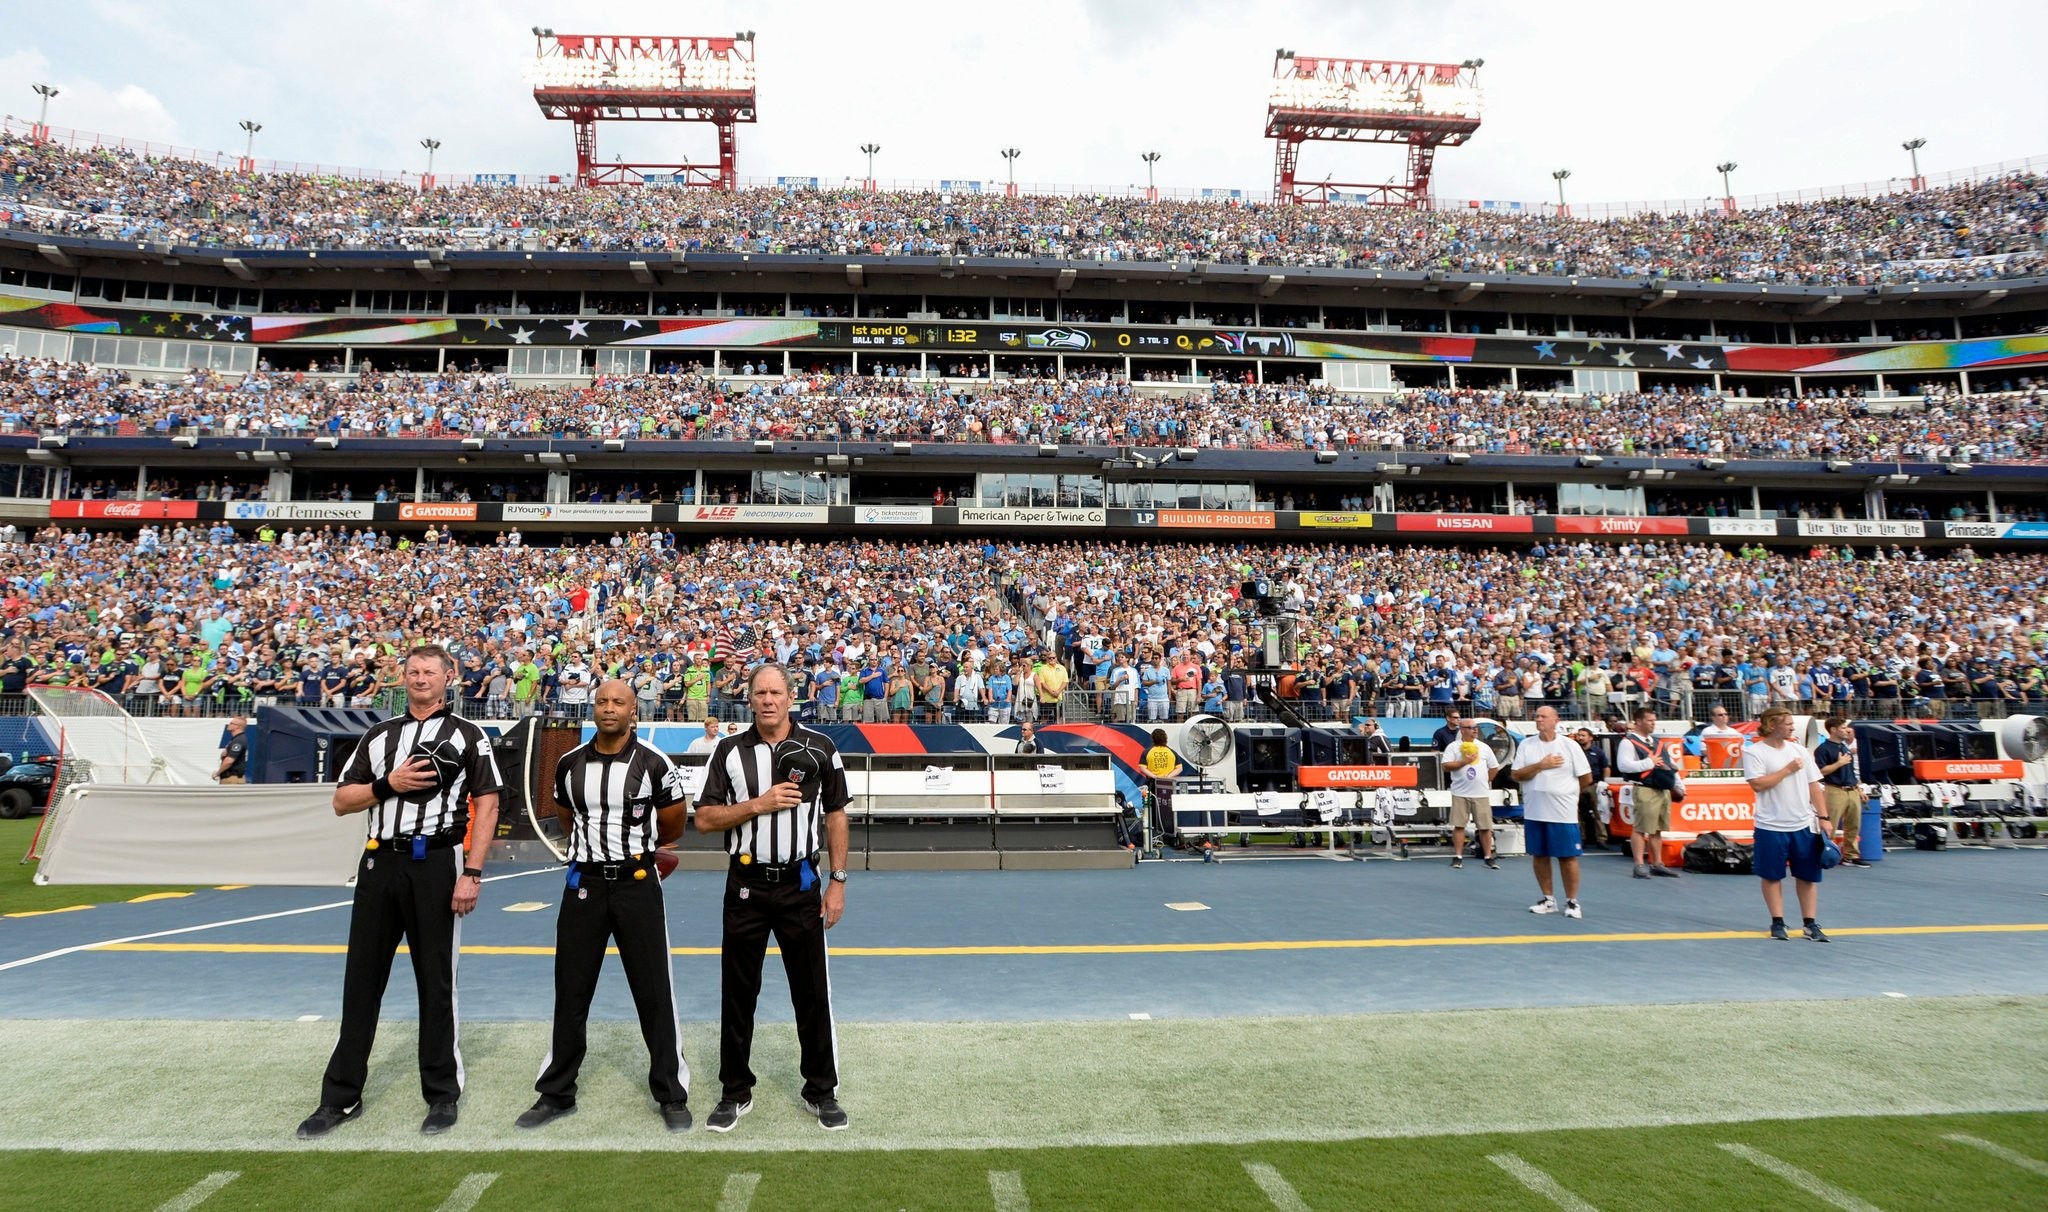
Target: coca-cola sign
pixel 125 510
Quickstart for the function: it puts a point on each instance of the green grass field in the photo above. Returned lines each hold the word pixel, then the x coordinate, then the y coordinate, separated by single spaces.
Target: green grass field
pixel 1889 1163
pixel 18 890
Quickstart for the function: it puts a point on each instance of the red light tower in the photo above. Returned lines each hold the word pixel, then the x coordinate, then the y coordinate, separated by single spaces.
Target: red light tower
pixel 587 78
pixel 1424 105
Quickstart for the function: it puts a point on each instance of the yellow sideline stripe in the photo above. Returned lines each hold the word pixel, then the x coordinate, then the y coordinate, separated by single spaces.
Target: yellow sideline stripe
pixel 1339 944
pixel 45 912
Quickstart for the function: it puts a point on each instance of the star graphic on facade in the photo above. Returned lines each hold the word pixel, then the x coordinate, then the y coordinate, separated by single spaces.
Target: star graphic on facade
pixel 625 324
pixel 1546 349
pixel 222 325
pixel 1702 363
pixel 239 336
pixel 191 327
pixel 1624 357
pixel 177 316
pixel 1575 362
pixel 160 329
pixel 521 336
pixel 578 328
pixel 492 322
pixel 1673 353
pixel 143 318
pixel 1596 345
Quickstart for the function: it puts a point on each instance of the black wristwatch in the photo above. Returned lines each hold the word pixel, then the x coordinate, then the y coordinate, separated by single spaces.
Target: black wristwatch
pixel 839 876
pixel 475 873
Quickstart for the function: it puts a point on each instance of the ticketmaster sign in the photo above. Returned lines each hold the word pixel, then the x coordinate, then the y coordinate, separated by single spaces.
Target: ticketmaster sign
pixel 1031 517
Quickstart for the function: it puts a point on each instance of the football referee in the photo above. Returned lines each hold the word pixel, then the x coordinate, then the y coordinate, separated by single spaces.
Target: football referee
pixel 777 791
pixel 617 798
pixel 419 776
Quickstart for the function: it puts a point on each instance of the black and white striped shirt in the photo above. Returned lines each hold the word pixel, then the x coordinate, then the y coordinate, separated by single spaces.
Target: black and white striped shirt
pixel 461 753
pixel 615 798
pixel 740 768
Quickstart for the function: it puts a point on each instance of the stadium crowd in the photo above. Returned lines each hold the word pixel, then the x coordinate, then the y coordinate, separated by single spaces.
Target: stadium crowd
pixel 194 619
pixel 47 396
pixel 1990 229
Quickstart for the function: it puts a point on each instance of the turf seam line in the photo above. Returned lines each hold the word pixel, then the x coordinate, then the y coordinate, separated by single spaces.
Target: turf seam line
pixel 1006 1188
pixel 199 1192
pixel 739 1192
pixel 1541 1183
pixel 467 1193
pixel 1812 1184
pixel 2000 1152
pixel 1277 1188
pixel 25 961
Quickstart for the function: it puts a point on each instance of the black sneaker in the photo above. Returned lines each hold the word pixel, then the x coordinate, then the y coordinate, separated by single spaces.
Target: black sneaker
pixel 327 1119
pixel 830 1117
pixel 1663 872
pixel 542 1113
pixel 1813 934
pixel 440 1118
pixel 1778 932
pixel 1857 862
pixel 1492 864
pixel 1457 862
pixel 677 1116
pixel 726 1115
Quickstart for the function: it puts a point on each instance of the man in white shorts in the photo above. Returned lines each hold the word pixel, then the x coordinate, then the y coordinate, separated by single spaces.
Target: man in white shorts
pixel 1470 764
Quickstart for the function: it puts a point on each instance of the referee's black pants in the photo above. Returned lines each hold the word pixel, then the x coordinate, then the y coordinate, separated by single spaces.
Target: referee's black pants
pixel 753 909
pixel 397 898
pixel 593 914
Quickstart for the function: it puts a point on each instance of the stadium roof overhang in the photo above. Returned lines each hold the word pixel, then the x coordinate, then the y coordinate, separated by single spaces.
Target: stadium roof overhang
pixel 1313 283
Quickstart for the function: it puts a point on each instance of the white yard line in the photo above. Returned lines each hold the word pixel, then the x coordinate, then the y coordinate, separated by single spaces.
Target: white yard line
pixel 2000 1152
pixel 1812 1184
pixel 1277 1189
pixel 467 1193
pixel 199 1192
pixel 1540 1182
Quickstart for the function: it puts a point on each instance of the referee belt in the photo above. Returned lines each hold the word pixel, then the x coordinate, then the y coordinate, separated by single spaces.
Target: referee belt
pixel 403 844
pixel 614 872
pixel 757 872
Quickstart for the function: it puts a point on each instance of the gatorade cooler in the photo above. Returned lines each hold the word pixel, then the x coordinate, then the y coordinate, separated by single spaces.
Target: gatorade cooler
pixel 1722 752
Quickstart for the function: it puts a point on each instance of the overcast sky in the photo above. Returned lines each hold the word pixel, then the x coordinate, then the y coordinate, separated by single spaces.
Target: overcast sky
pixel 1639 100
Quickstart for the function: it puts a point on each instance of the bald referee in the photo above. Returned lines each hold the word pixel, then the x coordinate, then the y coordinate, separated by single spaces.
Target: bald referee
pixel 418 776
pixel 778 792
pixel 617 798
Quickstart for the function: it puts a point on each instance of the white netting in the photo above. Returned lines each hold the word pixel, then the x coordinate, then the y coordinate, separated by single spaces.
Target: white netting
pixel 97 742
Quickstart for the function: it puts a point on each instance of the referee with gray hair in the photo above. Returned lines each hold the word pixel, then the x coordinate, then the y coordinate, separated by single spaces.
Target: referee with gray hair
pixel 617 796
pixel 778 793
pixel 419 776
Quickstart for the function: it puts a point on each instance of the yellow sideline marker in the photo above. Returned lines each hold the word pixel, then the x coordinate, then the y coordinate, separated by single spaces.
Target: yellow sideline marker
pixel 1340 944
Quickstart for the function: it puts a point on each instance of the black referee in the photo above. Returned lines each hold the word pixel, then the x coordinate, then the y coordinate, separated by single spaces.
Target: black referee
pixel 617 797
pixel 776 791
pixel 418 776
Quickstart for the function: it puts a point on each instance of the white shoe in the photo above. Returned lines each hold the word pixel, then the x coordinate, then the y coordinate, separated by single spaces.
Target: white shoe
pixel 1546 905
pixel 1571 909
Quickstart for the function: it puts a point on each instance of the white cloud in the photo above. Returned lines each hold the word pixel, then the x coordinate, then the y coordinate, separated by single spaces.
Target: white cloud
pixel 1639 101
pixel 88 104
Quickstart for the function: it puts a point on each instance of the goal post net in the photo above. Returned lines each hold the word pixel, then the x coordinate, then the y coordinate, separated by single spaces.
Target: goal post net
pixel 97 742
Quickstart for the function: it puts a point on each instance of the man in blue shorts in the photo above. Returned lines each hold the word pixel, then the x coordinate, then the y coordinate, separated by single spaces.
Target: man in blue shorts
pixel 1552 770
pixel 1790 814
